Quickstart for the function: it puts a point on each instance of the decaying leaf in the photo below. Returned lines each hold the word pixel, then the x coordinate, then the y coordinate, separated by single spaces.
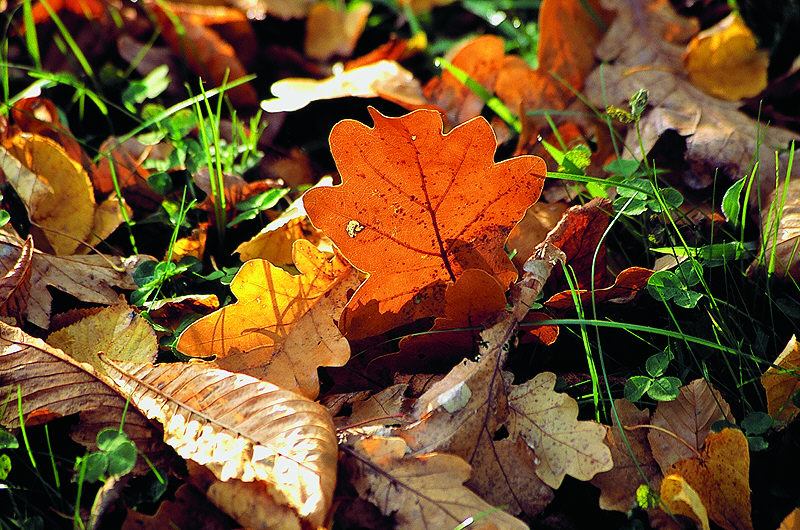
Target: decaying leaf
pixel 721 478
pixel 425 491
pixel 415 209
pixel 780 387
pixel 240 428
pixel 628 284
pixel 15 286
pixel 689 417
pixel 725 61
pixel 275 331
pixel 547 420
pixel 88 278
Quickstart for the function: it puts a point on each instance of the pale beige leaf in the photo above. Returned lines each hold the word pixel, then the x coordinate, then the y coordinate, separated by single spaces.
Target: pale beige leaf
pixel 333 30
pixel 88 278
pixel 422 492
pixel 689 417
pixel 241 428
pixel 780 224
pixel 53 383
pixel 781 386
pixel 547 420
pixel 117 331
pixel 618 485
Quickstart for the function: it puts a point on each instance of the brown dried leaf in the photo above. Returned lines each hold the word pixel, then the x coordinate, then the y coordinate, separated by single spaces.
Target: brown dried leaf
pixel 240 428
pixel 15 287
pixel 424 491
pixel 628 284
pixel 782 241
pixel 547 420
pixel 689 416
pixel 780 387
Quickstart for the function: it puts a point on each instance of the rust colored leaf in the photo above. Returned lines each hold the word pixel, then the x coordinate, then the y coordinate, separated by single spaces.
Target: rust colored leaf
pixel 436 350
pixel 425 491
pixel 780 386
pixel 547 420
pixel 275 331
pixel 618 486
pixel 53 384
pixel 39 116
pixel 118 331
pixel 88 278
pixel 721 477
pixel 415 209
pixel 15 287
pixel 627 286
pixel 689 417
pixel 725 62
pixel 240 428
pixel 481 59
pixel 334 30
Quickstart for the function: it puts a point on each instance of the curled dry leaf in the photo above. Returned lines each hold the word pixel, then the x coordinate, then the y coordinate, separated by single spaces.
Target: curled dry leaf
pixel 725 62
pixel 282 327
pixel 15 287
pixel 88 278
pixel 547 420
pixel 689 417
pixel 415 209
pixel 425 491
pixel 240 428
pixel 721 478
pixel 54 384
pixel 628 284
pixel 780 386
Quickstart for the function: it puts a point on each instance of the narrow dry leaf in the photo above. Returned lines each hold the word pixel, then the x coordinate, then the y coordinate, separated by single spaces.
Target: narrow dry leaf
pixel 54 384
pixel 15 287
pixel 721 477
pixel 370 81
pixel 333 30
pixel 88 278
pixel 618 485
pixel 780 387
pixel 725 62
pixel 682 499
pixel 274 331
pixel 689 417
pixel 425 491
pixel 547 420
pixel 117 331
pixel 240 428
pixel 55 189
pixel 628 284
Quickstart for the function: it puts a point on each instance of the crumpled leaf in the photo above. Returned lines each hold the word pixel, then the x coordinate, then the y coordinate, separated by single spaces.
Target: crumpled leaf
pixel 618 485
pixel 15 286
pixel 386 79
pixel 689 416
pixel 415 209
pixel 721 477
pixel 334 30
pixel 725 62
pixel 628 284
pixel 241 428
pixel 547 420
pixel 425 491
pixel 276 331
pixel 780 387
pixel 682 499
pixel 118 331
pixel 53 384
pixel 88 278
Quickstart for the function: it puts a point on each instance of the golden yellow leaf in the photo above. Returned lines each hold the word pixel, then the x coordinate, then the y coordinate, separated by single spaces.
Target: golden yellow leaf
pixel 107 217
pixel 118 331
pixel 682 499
pixel 422 492
pixel 725 61
pixel 240 428
pixel 333 29
pixel 721 477
pixel 791 521
pixel 275 331
pixel 55 188
pixel 780 387
pixel 547 420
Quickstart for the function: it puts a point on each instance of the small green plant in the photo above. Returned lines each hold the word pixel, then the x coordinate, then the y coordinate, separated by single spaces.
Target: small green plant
pixel 677 286
pixel 655 384
pixel 116 456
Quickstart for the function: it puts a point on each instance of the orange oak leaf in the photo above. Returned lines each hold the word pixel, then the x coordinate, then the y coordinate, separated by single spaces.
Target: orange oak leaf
pixel 721 477
pixel 282 327
pixel 416 208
